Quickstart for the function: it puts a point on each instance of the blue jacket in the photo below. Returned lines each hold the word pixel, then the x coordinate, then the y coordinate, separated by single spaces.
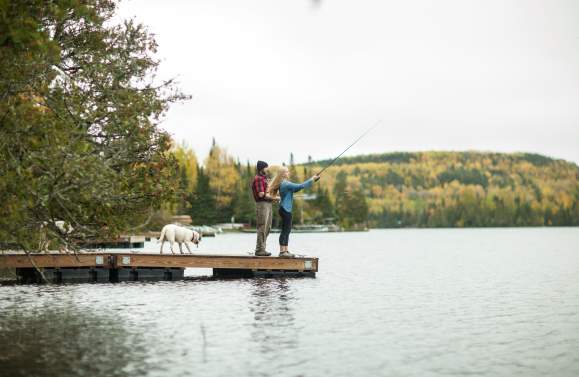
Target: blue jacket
pixel 286 192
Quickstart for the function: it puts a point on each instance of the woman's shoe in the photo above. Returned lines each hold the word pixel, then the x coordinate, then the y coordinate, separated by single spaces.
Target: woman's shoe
pixel 286 254
pixel 262 254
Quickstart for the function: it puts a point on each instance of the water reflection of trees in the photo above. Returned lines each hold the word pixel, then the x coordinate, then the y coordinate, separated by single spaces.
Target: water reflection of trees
pixel 274 328
pixel 68 342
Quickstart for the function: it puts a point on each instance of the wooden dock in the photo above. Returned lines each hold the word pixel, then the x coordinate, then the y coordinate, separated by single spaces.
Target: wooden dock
pixel 113 267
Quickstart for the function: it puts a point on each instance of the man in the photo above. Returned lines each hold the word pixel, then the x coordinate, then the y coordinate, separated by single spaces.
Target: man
pixel 264 214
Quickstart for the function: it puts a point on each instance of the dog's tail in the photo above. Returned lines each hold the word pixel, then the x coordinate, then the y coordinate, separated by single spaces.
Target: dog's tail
pixel 162 236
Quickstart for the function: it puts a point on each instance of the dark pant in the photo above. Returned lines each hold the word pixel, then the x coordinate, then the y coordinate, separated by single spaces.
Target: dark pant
pixel 286 226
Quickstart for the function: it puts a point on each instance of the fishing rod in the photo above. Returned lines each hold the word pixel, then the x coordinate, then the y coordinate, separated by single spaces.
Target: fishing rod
pixel 350 146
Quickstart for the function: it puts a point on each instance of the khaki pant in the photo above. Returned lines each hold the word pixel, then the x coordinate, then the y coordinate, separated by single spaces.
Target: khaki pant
pixel 264 217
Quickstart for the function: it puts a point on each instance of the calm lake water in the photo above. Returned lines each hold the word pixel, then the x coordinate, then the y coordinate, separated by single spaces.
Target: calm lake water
pixel 486 302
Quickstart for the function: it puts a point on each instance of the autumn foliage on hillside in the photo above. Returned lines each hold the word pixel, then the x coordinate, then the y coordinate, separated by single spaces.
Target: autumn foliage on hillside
pixel 462 189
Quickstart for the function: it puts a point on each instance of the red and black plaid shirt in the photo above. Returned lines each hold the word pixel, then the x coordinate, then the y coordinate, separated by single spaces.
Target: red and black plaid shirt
pixel 259 185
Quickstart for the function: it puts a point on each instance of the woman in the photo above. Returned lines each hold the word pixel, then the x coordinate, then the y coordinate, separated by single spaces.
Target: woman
pixel 285 189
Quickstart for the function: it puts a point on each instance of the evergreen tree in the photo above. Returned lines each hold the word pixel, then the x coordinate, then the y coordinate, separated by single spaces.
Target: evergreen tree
pixel 243 203
pixel 184 193
pixel 357 208
pixel 203 205
pixel 325 204
pixel 321 208
pixel 341 196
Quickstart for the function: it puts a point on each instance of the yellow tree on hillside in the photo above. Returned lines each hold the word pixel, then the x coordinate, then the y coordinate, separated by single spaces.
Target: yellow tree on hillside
pixel 187 174
pixel 223 176
pixel 188 163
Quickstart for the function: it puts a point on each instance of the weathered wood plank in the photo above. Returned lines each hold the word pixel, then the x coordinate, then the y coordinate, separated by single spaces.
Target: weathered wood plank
pixel 216 261
pixel 52 260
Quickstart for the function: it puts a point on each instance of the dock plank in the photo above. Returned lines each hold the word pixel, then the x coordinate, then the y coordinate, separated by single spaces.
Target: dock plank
pixel 52 260
pixel 216 261
pixel 142 260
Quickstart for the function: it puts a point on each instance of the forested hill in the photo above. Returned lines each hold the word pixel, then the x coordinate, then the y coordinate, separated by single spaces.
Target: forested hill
pixel 447 189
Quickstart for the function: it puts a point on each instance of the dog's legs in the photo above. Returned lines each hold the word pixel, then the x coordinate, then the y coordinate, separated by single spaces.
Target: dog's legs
pixel 162 243
pixel 171 243
pixel 46 247
pixel 187 245
pixel 181 247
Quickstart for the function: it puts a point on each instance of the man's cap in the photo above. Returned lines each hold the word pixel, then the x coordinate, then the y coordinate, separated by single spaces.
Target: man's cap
pixel 261 165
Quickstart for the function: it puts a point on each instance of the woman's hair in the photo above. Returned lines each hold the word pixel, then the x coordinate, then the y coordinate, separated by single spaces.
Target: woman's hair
pixel 273 188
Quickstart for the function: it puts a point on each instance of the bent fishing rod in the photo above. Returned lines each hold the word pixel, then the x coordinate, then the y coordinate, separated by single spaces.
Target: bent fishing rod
pixel 350 146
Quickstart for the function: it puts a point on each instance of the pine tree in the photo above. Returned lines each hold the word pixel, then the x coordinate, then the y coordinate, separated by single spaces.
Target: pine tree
pixel 184 193
pixel 357 208
pixel 324 203
pixel 203 205
pixel 341 197
pixel 243 203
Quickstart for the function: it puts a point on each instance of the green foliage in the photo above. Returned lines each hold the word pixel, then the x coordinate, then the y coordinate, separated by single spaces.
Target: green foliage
pixel 464 176
pixel 395 157
pixel 243 203
pixel 78 122
pixel 322 206
pixel 202 202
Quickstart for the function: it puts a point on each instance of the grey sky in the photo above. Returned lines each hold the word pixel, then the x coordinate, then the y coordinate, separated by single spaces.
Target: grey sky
pixel 270 77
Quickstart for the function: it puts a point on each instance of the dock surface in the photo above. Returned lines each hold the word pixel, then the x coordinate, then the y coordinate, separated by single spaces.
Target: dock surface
pixel 120 266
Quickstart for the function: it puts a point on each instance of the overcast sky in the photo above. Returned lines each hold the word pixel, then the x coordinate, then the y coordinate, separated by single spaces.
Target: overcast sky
pixel 270 77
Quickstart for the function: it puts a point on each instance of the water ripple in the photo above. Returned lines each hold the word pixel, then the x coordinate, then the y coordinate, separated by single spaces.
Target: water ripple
pixel 404 303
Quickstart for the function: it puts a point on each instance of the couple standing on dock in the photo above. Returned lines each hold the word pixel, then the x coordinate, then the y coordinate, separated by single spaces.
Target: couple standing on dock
pixel 265 193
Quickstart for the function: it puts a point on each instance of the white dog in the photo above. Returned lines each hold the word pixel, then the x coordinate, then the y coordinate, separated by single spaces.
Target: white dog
pixel 62 226
pixel 175 233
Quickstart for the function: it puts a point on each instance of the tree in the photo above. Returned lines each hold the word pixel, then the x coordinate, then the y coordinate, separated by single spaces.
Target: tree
pixel 357 208
pixel 79 110
pixel 187 167
pixel 203 204
pixel 187 161
pixel 243 203
pixel 340 195
pixel 223 179
pixel 323 204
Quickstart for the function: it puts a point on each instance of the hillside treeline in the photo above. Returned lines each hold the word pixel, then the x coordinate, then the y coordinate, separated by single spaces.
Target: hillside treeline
pixel 425 189
pixel 463 189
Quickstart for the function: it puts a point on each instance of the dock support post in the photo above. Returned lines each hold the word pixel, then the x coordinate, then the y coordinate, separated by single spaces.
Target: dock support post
pixel 232 273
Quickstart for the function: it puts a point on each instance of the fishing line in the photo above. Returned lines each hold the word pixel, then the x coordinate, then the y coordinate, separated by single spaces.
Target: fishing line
pixel 350 146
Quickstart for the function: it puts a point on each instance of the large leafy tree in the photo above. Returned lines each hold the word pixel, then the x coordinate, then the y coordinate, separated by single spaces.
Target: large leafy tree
pixel 79 113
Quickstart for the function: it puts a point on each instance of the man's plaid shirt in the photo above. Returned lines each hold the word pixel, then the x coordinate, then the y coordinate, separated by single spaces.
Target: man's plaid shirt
pixel 259 185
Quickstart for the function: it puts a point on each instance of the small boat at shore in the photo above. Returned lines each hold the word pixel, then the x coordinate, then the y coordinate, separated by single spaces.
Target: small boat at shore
pixel 307 228
pixel 205 230
pixel 310 228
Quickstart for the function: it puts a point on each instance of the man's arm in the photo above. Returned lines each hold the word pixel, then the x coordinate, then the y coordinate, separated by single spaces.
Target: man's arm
pixel 266 196
pixel 261 193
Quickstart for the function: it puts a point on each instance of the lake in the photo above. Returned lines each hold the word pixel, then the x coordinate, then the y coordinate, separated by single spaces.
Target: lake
pixel 461 302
